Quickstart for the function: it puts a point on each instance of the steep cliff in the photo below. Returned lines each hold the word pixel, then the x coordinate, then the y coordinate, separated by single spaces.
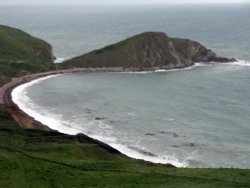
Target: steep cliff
pixel 20 53
pixel 146 51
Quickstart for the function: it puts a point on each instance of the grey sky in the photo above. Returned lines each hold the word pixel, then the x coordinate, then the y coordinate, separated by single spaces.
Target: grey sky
pixel 14 2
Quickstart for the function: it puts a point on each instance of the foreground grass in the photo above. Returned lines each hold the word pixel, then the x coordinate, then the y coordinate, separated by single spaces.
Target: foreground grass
pixel 31 158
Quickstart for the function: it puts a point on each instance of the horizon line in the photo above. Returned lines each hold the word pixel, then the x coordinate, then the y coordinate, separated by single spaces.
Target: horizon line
pixel 131 3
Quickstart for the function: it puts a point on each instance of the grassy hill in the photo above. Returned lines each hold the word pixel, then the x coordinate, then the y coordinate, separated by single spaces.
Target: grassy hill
pixel 32 158
pixel 20 54
pixel 147 50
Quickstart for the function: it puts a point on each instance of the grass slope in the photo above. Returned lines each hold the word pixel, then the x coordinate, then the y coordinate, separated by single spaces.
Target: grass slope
pixel 31 158
pixel 20 53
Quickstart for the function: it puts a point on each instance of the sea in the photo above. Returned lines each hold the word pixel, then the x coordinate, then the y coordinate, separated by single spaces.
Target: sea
pixel 193 117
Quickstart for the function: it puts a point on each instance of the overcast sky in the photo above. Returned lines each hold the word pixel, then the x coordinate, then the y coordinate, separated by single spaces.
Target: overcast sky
pixel 15 2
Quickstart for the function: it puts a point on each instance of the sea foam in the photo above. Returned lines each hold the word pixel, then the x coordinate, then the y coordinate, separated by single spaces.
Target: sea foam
pixel 59 60
pixel 26 104
pixel 54 121
pixel 241 63
pixel 19 96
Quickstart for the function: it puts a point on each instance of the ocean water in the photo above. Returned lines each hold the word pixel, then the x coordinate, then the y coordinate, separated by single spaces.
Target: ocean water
pixel 196 117
pixel 73 30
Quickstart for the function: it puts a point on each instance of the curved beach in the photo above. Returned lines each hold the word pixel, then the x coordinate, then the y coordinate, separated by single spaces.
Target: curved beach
pixel 27 118
pixel 26 121
pixel 23 119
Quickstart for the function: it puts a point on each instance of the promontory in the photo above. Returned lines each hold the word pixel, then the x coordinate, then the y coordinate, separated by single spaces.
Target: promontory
pixel 147 51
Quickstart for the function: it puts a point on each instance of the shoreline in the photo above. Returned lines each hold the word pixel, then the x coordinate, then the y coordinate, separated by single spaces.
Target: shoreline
pixel 25 121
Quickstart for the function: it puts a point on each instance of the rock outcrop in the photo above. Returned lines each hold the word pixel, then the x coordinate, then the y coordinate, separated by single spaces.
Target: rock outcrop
pixel 151 50
pixel 45 54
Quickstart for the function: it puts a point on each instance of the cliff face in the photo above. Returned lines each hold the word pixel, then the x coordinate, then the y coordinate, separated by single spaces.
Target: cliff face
pixel 21 53
pixel 147 50
pixel 43 53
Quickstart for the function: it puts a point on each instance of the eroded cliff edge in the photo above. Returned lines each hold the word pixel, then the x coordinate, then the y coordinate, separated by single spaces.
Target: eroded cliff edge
pixel 150 50
pixel 22 54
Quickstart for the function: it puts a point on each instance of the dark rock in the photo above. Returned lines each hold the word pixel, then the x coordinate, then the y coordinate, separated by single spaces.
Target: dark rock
pixel 99 118
pixel 175 146
pixel 88 111
pixel 44 53
pixel 175 135
pixel 189 144
pixel 169 133
pixel 142 151
pixel 150 134
pixel 222 59
pixel 162 132
pixel 148 153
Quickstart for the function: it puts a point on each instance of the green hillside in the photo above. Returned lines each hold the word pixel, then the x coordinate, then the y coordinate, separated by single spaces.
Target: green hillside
pixel 40 159
pixel 20 53
pixel 32 158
